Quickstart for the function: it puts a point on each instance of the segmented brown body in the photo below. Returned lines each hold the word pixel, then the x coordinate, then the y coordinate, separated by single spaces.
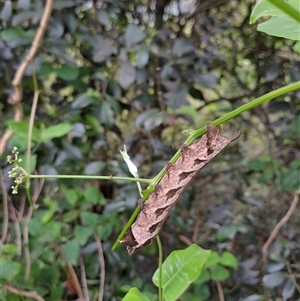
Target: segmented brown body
pixel 179 175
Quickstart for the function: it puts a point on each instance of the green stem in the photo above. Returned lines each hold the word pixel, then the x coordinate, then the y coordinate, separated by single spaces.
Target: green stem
pixel 287 8
pixel 29 138
pixel 246 107
pixel 81 177
pixel 160 260
pixel 195 134
pixel 140 188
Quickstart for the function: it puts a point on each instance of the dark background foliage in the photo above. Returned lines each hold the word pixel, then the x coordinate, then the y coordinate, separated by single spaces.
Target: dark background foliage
pixel 140 73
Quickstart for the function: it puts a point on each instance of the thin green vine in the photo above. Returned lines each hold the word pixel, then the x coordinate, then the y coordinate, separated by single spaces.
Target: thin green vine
pixel 195 134
pixel 160 260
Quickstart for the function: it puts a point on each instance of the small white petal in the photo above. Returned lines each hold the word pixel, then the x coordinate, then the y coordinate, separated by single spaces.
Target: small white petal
pixel 132 168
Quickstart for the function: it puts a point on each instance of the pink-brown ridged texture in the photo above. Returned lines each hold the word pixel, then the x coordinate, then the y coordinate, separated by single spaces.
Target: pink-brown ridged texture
pixel 179 175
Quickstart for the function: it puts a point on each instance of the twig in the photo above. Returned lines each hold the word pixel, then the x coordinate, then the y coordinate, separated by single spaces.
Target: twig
pixel 205 6
pixel 220 291
pixel 5 209
pixel 21 207
pixel 83 279
pixel 185 240
pixel 72 274
pixel 16 97
pixel 280 224
pixel 102 267
pixel 198 218
pixel 293 278
pixel 7 135
pixel 28 294
pixel 15 220
pixel 37 191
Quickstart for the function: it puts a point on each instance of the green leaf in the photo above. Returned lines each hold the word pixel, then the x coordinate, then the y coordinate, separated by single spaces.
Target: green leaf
pixel 55 228
pixel 274 279
pixel 142 57
pixel 187 110
pixel 9 249
pixel 188 296
pixel 9 269
pixel 35 227
pixel 47 216
pixel 255 165
pixel 283 27
pixel 133 35
pixel 266 8
pixel 82 101
pixel 203 291
pixel 66 72
pixel 90 219
pixel 296 47
pixel 70 216
pixel 94 123
pixel 55 131
pixel 20 128
pixel 127 75
pixel 19 142
pixel 180 269
pixel 219 273
pixel 6 11
pixel 213 259
pixel 229 260
pixel 135 295
pixel 71 196
pixel 46 69
pixel 32 164
pixel 280 24
pixel 94 196
pixel 71 249
pixel 204 277
pixel 103 49
pixel 82 234
pixel 227 232
pixel 150 119
pixel 94 168
pixel 290 180
pixel 59 5
pixel 57 292
pixel 11 34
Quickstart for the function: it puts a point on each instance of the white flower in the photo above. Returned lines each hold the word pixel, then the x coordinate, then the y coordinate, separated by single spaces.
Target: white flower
pixel 132 168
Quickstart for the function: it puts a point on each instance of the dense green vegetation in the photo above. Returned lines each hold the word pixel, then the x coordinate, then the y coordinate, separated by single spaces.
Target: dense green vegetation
pixel 81 79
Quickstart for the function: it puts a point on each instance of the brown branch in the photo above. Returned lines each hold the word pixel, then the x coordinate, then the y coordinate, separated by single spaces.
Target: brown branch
pixel 293 278
pixel 185 240
pixel 28 294
pixel 199 220
pixel 16 98
pixel 102 267
pixel 206 6
pixel 7 135
pixel 21 207
pixel 5 209
pixel 73 277
pixel 280 224
pixel 14 218
pixel 83 279
pixel 220 291
pixel 37 191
